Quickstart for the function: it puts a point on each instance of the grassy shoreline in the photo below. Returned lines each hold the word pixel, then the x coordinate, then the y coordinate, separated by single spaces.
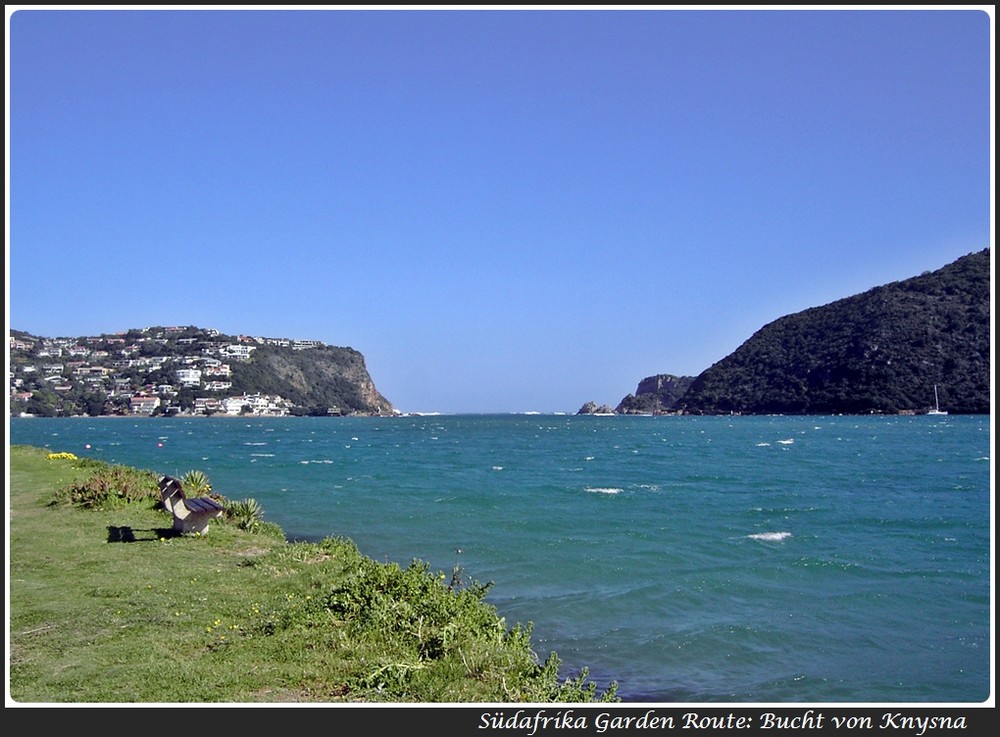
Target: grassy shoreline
pixel 108 605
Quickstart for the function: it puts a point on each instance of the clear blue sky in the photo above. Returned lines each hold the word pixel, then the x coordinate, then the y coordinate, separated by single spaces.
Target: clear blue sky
pixel 503 210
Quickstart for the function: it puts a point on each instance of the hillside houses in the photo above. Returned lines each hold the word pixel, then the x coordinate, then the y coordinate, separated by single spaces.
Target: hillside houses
pixel 152 371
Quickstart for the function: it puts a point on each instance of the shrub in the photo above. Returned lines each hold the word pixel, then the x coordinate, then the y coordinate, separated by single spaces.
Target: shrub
pixel 62 457
pixel 110 487
pixel 428 631
pixel 195 483
pixel 269 529
pixel 246 514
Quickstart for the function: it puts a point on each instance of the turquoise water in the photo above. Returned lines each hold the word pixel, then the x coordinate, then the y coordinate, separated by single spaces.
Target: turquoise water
pixel 692 559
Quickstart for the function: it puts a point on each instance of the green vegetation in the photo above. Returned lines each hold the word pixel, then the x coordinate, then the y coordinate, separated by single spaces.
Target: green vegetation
pixel 106 486
pixel 882 351
pixel 195 483
pixel 108 605
pixel 247 514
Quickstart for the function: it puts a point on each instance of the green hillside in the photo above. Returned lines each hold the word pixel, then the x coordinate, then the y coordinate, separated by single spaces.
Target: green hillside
pixel 882 351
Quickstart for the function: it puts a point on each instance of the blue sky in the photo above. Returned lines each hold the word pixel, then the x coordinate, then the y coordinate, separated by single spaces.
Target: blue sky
pixel 503 210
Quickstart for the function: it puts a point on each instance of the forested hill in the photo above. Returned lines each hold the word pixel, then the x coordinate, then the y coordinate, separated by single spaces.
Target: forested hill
pixel 882 351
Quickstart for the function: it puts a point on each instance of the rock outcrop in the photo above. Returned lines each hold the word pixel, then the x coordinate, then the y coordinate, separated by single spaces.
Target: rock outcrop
pixel 655 395
pixel 591 408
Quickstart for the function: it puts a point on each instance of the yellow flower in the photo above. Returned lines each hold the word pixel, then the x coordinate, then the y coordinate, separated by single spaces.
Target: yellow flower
pixel 61 457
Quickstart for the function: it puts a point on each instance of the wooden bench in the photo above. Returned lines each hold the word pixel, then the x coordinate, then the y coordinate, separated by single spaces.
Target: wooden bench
pixel 190 514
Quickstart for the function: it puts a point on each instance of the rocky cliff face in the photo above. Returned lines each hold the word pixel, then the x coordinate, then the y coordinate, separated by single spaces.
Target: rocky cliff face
pixel 655 395
pixel 325 379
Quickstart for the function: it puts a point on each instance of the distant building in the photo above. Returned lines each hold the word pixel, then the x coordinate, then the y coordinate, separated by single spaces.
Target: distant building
pixel 189 377
pixel 16 344
pixel 143 405
pixel 237 351
pixel 207 405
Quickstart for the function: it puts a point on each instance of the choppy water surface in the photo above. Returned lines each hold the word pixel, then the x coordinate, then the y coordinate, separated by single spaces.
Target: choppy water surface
pixel 740 560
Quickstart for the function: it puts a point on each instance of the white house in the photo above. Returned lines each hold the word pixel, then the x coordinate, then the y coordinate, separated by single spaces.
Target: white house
pixel 143 405
pixel 238 351
pixel 189 377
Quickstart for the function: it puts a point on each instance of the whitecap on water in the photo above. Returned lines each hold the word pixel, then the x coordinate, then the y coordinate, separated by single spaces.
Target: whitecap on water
pixel 603 490
pixel 770 536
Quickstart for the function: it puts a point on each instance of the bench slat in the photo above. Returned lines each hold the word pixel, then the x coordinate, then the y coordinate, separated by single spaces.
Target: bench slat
pixel 201 504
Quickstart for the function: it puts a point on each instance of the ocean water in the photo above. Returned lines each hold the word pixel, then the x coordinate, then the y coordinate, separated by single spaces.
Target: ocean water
pixel 748 560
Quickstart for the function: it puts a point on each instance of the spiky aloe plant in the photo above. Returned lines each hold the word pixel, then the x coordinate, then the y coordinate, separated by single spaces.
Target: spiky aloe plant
pixel 245 513
pixel 196 483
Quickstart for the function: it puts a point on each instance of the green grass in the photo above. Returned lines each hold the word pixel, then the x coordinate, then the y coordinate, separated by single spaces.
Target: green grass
pixel 108 605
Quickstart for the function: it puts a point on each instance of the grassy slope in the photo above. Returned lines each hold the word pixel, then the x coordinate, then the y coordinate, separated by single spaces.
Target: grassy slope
pixel 237 617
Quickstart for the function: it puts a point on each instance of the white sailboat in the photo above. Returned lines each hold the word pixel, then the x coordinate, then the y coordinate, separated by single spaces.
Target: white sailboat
pixel 937 409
